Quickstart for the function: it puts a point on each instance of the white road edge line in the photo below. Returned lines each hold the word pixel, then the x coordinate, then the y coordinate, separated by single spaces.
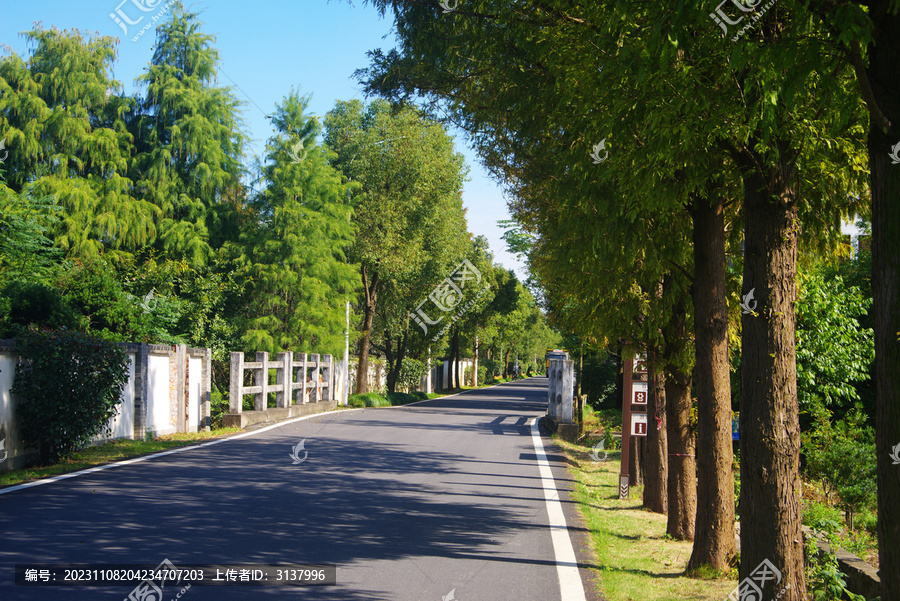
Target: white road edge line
pixel 570 586
pixel 108 466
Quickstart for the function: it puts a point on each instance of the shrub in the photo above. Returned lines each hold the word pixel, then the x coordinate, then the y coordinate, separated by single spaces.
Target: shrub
pixel 68 385
pixel 822 517
pixel 33 303
pixel 482 375
pixel 401 398
pixel 368 399
pixel 411 372
pixel 218 407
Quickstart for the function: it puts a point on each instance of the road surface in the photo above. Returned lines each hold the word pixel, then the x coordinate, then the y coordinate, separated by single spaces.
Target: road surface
pixel 437 501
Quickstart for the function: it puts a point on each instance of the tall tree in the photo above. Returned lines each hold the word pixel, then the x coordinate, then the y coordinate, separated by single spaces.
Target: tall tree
pixel 61 120
pixel 410 222
pixel 189 140
pixel 295 256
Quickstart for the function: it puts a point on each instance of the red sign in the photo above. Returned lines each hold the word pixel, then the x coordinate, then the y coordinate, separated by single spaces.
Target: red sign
pixel 639 393
pixel 639 424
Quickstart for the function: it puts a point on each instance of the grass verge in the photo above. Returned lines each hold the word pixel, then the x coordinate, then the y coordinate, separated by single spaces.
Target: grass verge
pixel 637 560
pixel 113 450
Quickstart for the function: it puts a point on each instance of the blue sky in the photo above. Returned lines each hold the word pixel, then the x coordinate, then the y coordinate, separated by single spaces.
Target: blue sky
pixel 265 48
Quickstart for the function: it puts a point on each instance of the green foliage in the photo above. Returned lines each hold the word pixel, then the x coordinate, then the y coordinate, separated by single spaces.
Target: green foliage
pixel 599 377
pixel 33 304
pixel 368 399
pixel 833 351
pixel 822 517
pixel 824 580
pixel 411 373
pixel 68 385
pixel 842 456
pixel 26 252
pixel 219 406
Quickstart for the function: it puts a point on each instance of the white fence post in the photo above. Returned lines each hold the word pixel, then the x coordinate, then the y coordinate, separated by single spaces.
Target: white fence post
pixel 284 378
pixel 236 384
pixel 262 379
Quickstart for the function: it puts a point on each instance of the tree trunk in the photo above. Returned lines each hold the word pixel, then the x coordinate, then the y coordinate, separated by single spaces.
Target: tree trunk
pixel 362 369
pixel 454 359
pixel 769 416
pixel 635 461
pixel 395 360
pixel 656 459
pixel 682 481
pixel 884 54
pixel 506 363
pixel 682 476
pixel 714 543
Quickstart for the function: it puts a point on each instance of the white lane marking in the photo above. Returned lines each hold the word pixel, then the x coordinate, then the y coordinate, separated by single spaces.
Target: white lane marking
pixel 107 466
pixel 570 586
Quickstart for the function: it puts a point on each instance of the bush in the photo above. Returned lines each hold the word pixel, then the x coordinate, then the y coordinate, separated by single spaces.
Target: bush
pixel 218 407
pixel 482 375
pixel 411 372
pixel 68 385
pixel 822 517
pixel 33 303
pixel 401 398
pixel 368 399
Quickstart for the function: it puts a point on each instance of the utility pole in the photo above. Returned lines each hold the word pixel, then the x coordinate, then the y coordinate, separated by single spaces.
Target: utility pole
pixel 346 383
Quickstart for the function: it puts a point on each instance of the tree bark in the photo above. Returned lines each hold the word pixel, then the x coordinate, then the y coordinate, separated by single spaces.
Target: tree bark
pixel 635 461
pixel 454 359
pixel 657 456
pixel 714 543
pixel 370 287
pixel 682 481
pixel 682 476
pixel 769 416
pixel 884 54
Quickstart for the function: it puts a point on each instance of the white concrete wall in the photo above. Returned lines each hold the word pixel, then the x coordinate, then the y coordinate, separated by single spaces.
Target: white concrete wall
pixel 160 417
pixel 195 381
pixel 123 423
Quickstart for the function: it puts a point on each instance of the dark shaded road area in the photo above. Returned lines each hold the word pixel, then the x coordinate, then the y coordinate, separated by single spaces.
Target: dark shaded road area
pixel 410 503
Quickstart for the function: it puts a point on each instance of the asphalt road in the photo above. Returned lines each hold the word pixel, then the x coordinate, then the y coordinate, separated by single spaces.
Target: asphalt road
pixel 410 503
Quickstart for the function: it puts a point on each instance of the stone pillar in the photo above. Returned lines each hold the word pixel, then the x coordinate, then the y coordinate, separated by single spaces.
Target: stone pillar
pixel 236 384
pixel 262 379
pixel 284 378
pixel 327 387
pixel 206 390
pixel 314 359
pixel 181 383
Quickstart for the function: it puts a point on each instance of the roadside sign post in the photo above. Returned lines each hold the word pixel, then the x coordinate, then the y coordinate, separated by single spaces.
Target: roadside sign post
pixel 634 413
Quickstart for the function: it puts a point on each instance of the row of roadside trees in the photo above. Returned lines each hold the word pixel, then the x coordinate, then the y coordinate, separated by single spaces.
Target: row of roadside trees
pixel 140 217
pixel 651 160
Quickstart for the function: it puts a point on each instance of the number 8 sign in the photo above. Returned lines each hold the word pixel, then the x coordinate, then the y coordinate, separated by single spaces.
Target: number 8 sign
pixel 639 393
